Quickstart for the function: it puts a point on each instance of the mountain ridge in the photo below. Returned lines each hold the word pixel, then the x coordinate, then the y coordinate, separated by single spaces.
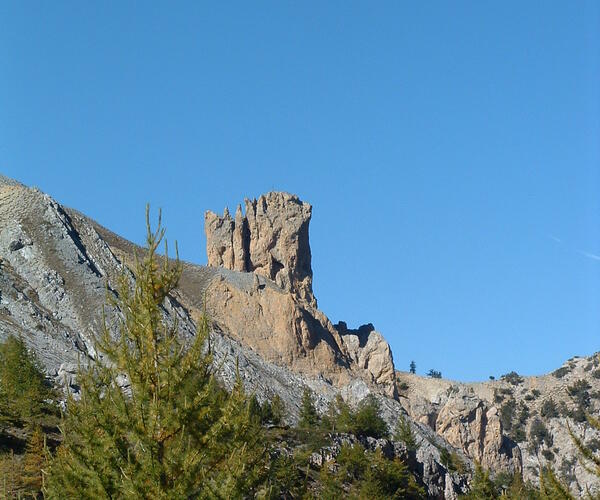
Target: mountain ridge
pixel 57 265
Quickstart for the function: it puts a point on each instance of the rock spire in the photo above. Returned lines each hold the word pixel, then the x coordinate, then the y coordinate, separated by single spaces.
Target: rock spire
pixel 271 240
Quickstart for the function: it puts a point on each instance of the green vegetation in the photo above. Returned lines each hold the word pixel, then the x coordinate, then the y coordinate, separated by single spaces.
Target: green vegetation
pixel 367 474
pixel 579 392
pixel 512 378
pixel 413 367
pixel 173 432
pixel 549 409
pixel 26 404
pixel 154 422
pixel 539 434
pixel 561 372
pixel 434 373
pixel 452 461
pixel 23 390
pixel 365 421
pixel 503 486
pixel 309 417
pixel 405 434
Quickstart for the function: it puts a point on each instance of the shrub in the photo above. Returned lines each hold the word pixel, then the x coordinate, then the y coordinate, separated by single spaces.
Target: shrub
pixel 579 392
pixel 593 445
pixel 434 373
pixel 512 378
pixel 548 455
pixel 539 434
pixel 507 414
pixel 561 372
pixel 549 409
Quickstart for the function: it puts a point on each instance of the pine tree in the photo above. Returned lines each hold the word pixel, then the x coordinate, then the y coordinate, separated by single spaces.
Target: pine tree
pixel 482 487
pixel 405 434
pixel 10 474
pixel 34 462
pixel 277 410
pixel 152 421
pixel 309 418
pixel 367 419
pixel 339 416
pixel 22 384
pixel 551 488
pixel 413 367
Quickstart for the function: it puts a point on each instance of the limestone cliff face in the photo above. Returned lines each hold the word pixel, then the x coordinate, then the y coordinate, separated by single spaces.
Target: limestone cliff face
pixel 370 351
pixel 271 244
pixel 271 240
pixel 494 422
pixel 461 417
pixel 474 427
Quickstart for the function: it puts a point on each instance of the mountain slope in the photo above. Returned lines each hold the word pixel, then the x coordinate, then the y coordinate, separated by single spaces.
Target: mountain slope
pixel 57 267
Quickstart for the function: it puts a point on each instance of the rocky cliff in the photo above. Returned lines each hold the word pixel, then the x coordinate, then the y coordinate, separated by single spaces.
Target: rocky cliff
pixel 270 240
pixel 268 302
pixel 57 267
pixel 515 423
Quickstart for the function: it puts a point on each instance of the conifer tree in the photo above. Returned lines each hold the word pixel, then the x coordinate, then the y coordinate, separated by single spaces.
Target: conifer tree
pixel 277 410
pixel 152 422
pixel 309 417
pixel 367 420
pixel 551 488
pixel 22 387
pixel 405 434
pixel 34 462
pixel 482 487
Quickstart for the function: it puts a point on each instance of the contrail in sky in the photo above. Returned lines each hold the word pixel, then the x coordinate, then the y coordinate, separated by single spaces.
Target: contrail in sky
pixel 589 255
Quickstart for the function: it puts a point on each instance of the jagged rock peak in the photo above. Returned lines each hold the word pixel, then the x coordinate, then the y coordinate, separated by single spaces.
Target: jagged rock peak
pixel 271 239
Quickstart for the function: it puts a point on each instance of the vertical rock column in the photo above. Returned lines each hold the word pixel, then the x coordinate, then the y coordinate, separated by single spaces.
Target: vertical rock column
pixel 271 240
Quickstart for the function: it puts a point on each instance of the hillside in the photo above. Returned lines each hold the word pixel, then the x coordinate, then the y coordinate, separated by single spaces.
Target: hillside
pixel 57 265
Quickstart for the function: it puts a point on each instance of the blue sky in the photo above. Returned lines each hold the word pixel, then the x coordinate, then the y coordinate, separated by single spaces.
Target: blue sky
pixel 450 150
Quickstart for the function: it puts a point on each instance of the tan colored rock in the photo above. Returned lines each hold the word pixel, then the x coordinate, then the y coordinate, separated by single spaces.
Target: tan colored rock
pixel 270 240
pixel 273 323
pixel 473 427
pixel 277 314
pixel 219 239
pixel 371 352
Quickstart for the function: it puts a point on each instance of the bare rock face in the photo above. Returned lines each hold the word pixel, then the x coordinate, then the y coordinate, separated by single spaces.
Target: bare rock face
pixel 457 413
pixel 275 324
pixel 270 240
pixel 371 352
pixel 472 426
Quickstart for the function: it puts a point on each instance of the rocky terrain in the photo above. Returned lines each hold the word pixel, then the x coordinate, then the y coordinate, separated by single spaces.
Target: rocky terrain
pixel 515 423
pixel 57 267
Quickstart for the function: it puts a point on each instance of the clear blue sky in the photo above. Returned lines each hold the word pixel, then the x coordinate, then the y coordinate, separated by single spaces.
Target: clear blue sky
pixel 451 151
